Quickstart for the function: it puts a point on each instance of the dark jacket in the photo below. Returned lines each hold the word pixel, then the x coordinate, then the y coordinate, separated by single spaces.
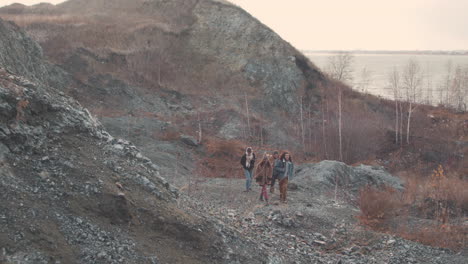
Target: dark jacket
pixel 278 168
pixel 244 159
pixel 283 173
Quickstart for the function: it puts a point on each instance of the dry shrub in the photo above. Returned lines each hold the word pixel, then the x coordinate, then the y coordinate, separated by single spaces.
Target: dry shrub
pixel 224 148
pixel 439 197
pixel 20 106
pixel 168 135
pixel 377 205
pixel 436 208
pixel 222 159
pixel 447 236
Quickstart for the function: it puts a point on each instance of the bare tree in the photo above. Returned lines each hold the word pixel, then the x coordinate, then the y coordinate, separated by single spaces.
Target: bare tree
pixel 302 124
pixel 160 61
pixel 412 82
pixel 199 129
pixel 340 123
pixel 459 88
pixel 447 83
pixel 248 114
pixel 394 82
pixel 340 67
pixel 365 80
pixel 324 134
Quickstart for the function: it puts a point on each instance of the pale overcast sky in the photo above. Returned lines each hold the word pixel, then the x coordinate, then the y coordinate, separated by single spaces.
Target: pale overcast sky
pixel 359 24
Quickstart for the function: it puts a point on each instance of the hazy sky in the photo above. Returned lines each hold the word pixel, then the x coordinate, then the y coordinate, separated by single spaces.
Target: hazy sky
pixel 359 24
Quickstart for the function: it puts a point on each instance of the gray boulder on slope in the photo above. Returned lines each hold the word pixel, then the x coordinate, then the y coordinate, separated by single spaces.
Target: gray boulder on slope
pixel 321 177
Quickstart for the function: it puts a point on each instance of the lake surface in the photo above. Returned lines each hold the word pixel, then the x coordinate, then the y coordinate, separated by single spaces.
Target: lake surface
pixel 380 65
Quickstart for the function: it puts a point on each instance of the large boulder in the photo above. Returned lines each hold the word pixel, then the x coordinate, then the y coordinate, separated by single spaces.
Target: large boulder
pixel 321 177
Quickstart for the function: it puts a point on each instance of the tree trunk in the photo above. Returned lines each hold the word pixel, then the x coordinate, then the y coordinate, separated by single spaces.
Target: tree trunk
pixel 324 136
pixel 199 129
pixel 410 111
pixel 159 68
pixel 401 123
pixel 310 129
pixel 396 122
pixel 340 124
pixel 248 114
pixel 302 127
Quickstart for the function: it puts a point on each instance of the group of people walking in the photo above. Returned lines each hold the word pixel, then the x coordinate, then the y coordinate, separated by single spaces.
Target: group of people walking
pixel 267 172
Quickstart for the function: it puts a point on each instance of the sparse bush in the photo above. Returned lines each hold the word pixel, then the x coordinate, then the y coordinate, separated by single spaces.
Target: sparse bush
pixel 169 135
pixel 20 106
pixel 436 208
pixel 378 204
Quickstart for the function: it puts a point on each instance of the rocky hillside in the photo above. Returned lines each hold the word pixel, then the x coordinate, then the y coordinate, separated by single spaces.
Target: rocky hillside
pixel 183 86
pixel 152 71
pixel 72 193
pixel 314 227
pixel 159 72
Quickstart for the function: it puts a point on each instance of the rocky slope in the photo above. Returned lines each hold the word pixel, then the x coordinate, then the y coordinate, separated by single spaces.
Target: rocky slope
pixel 72 193
pixel 312 227
pixel 153 70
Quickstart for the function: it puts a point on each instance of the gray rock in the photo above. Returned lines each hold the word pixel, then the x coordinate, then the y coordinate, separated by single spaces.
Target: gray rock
pixel 321 177
pixel 189 140
pixel 4 150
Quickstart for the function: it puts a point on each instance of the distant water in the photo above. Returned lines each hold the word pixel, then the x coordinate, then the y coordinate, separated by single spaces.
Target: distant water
pixel 379 66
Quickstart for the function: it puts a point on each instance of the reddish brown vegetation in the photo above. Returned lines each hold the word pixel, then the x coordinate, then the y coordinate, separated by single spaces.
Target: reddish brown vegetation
pixel 20 107
pixel 431 211
pixel 223 159
pixel 378 204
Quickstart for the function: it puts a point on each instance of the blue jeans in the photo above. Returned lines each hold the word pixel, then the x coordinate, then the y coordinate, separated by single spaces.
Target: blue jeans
pixel 248 179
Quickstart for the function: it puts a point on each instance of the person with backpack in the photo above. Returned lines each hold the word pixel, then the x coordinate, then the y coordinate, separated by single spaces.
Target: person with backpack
pixel 263 176
pixel 277 169
pixel 248 162
pixel 288 171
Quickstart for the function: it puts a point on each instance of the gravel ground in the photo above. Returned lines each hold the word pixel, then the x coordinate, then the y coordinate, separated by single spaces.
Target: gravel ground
pixel 308 229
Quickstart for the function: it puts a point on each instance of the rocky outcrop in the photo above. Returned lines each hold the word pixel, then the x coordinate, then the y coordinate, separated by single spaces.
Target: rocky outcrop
pixel 21 55
pixel 211 47
pixel 243 44
pixel 323 176
pixel 72 193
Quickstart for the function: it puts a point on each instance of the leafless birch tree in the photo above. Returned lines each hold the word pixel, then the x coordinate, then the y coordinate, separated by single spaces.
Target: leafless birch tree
pixel 412 82
pixel 365 80
pixel 394 83
pixel 340 123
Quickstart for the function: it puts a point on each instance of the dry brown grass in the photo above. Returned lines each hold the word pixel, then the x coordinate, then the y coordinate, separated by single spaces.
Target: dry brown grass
pixel 440 202
pixel 29 19
pixel 377 205
pixel 170 135
pixel 447 236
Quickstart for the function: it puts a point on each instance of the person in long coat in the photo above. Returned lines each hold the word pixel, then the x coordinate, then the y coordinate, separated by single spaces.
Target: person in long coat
pixel 263 176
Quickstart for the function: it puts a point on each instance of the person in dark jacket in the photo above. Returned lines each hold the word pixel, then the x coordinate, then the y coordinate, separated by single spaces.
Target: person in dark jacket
pixel 277 169
pixel 248 163
pixel 288 171
pixel 263 176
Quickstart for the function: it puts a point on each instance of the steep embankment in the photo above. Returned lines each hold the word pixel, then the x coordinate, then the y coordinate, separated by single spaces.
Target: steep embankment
pixel 71 193
pixel 153 70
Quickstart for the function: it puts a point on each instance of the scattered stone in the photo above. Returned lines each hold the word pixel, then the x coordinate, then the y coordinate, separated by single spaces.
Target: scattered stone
pixel 189 140
pixel 319 242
